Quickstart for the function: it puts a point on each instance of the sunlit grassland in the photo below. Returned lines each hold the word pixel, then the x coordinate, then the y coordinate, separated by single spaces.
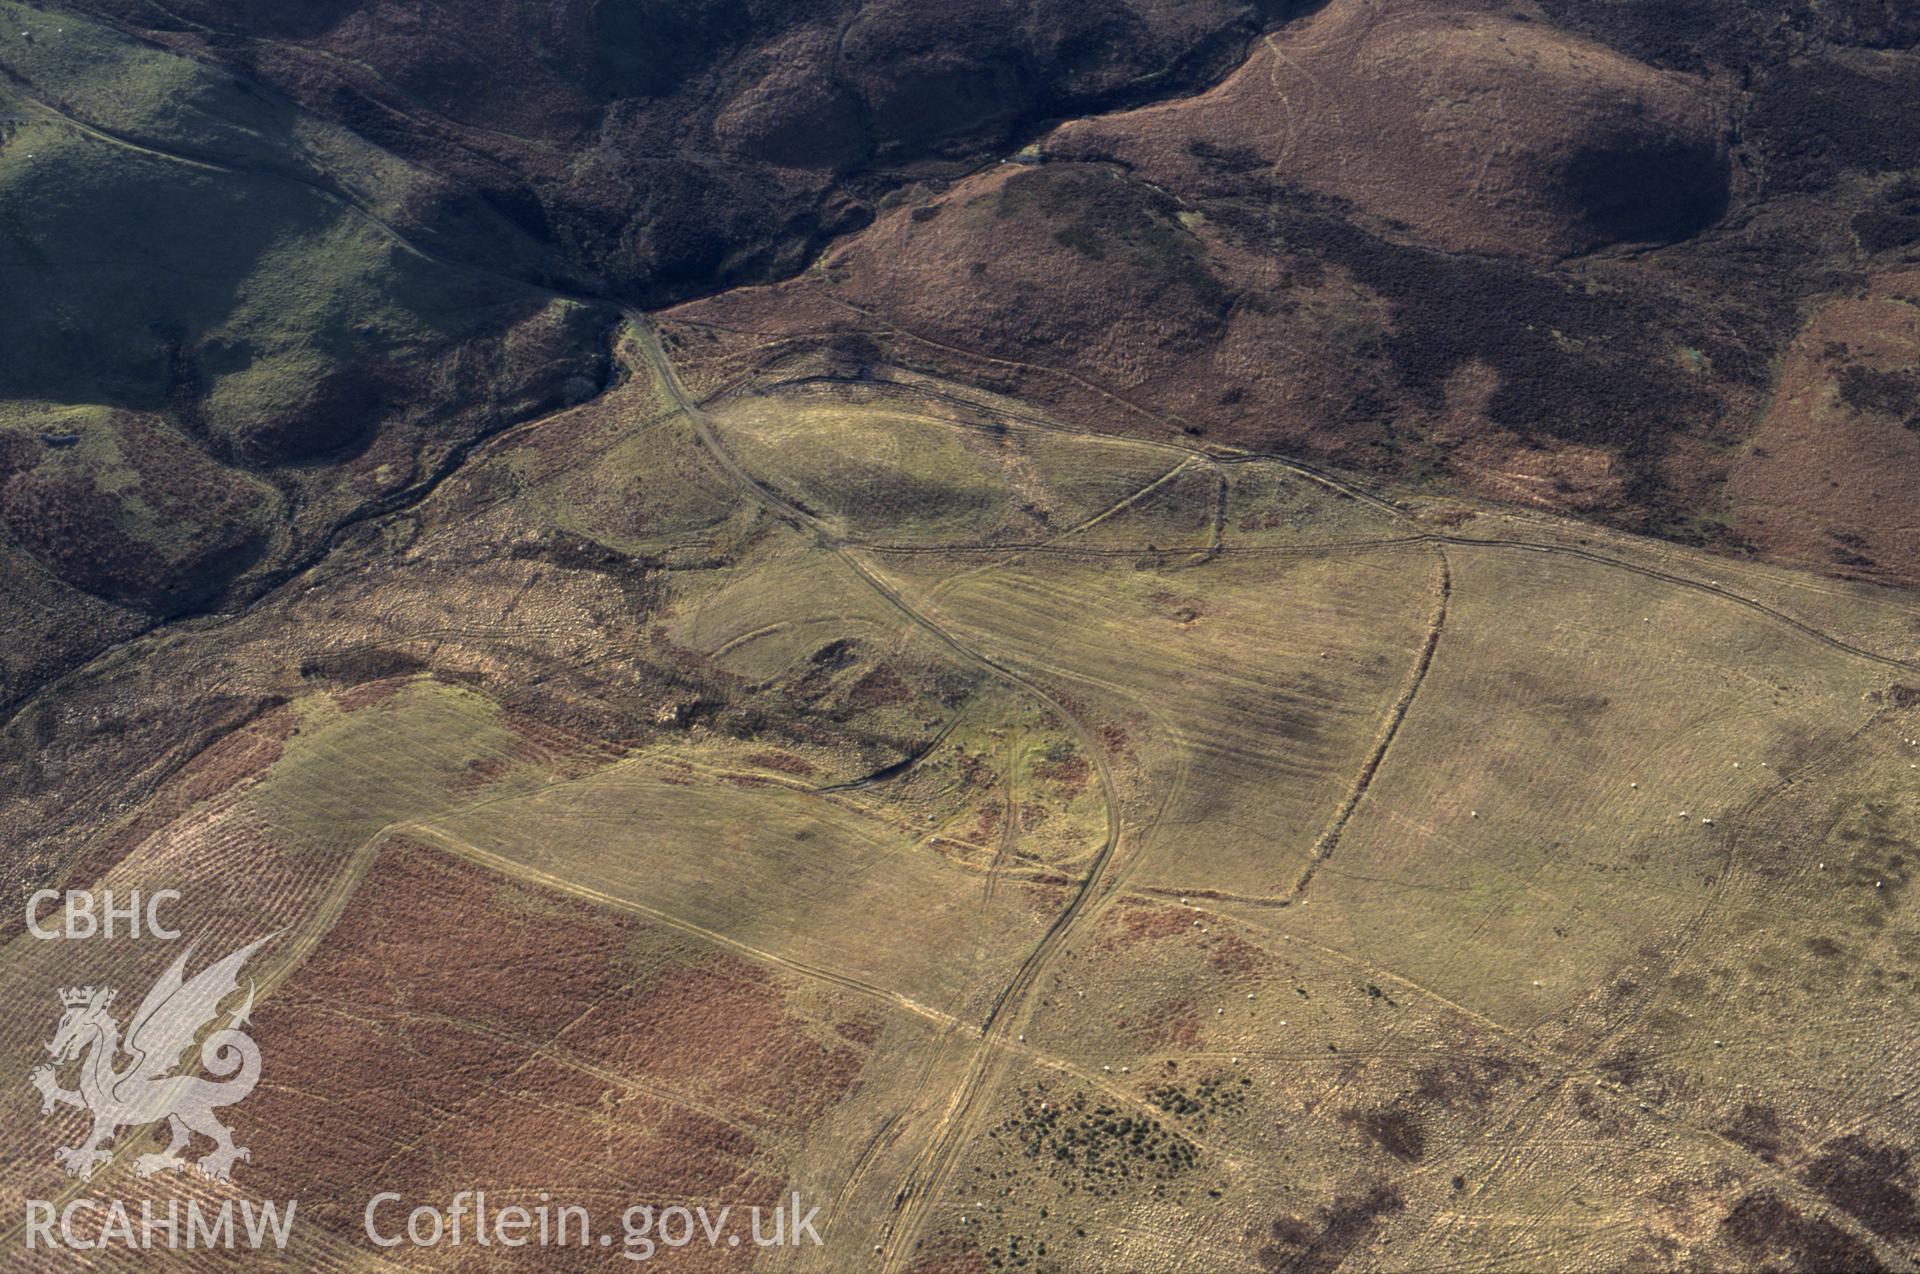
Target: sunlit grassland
pixel 1544 812
pixel 1240 698
pixel 875 470
pixel 800 876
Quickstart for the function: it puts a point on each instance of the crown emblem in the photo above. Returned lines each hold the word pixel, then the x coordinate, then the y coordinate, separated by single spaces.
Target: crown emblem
pixel 77 996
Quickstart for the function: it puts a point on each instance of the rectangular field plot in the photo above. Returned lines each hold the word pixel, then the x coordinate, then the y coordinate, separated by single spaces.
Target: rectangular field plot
pixel 1238 700
pixel 1568 786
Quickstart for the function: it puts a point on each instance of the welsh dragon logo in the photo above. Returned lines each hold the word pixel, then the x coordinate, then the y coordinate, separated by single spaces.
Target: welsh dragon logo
pixel 146 1089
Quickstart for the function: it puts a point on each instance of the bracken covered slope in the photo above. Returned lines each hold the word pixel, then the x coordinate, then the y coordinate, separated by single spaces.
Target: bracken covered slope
pixel 1455 244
